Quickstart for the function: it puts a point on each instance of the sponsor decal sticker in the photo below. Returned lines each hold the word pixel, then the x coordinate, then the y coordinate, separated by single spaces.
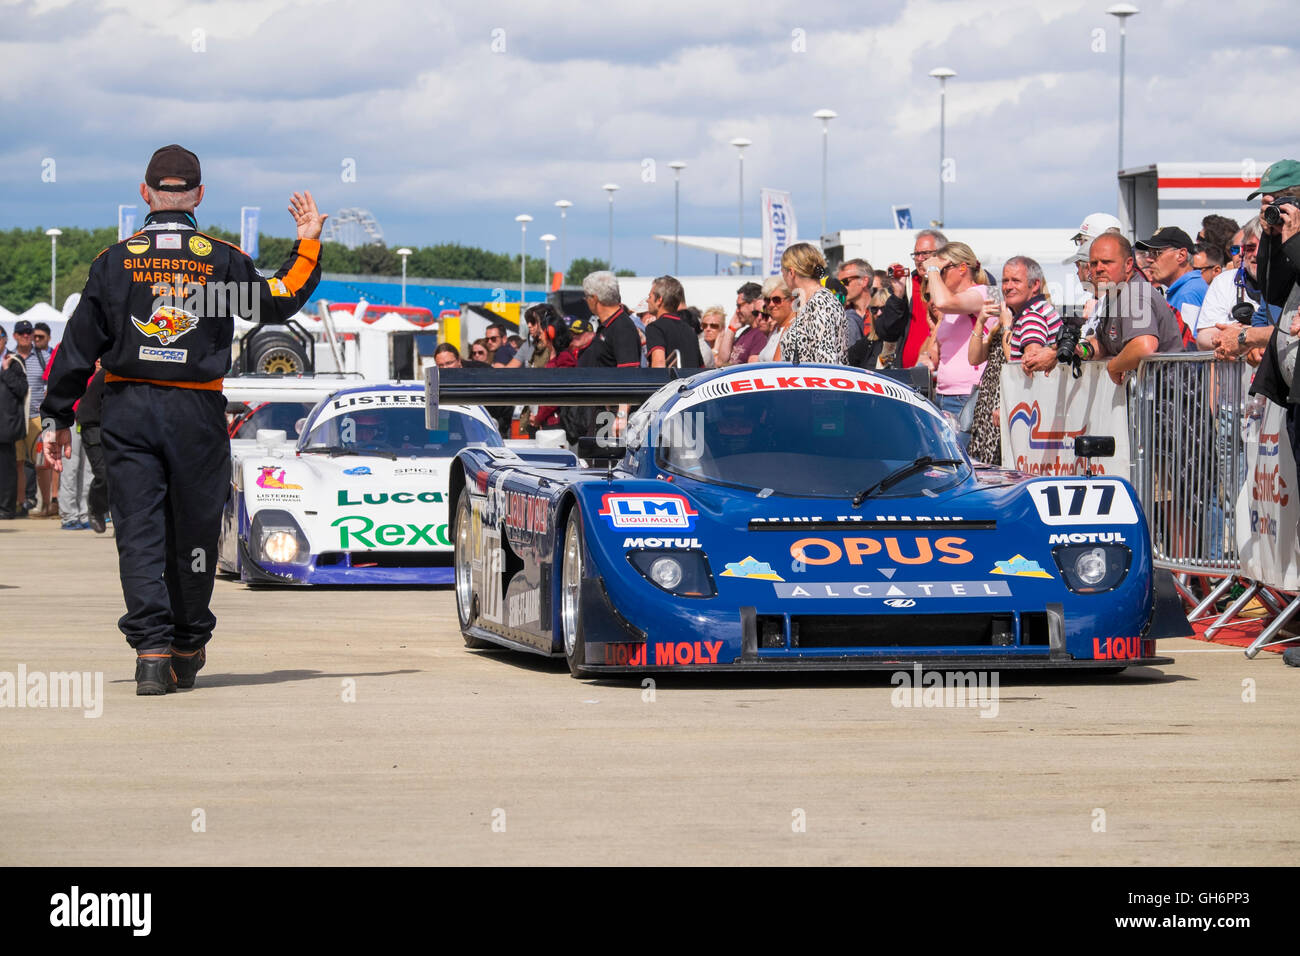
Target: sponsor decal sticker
pixel 819 551
pixel 152 353
pixel 167 324
pixel 270 480
pixel 200 246
pixel 345 498
pixel 673 544
pixel 366 534
pixel 278 289
pixel 523 608
pixel 750 567
pixel 661 512
pixel 1116 648
pixel 137 246
pixel 900 602
pixel 894 589
pixel 359 470
pixel 1086 537
pixel 1021 567
pixel 526 513
pixel 168 240
pixel 625 655
pixel 676 653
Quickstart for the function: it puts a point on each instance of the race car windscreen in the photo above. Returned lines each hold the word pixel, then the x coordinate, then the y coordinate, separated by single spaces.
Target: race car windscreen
pixel 399 431
pixel 835 444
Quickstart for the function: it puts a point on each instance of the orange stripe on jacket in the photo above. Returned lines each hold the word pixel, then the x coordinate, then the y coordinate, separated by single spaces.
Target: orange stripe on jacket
pixel 214 385
pixel 308 254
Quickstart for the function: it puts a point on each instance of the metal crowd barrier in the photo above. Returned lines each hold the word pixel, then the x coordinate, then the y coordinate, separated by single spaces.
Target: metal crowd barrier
pixel 1185 414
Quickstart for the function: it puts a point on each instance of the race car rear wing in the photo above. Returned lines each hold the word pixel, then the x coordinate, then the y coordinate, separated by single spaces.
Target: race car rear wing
pixel 572 386
pixel 541 386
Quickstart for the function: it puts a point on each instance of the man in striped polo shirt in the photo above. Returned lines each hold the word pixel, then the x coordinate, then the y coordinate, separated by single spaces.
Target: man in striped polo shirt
pixel 1035 322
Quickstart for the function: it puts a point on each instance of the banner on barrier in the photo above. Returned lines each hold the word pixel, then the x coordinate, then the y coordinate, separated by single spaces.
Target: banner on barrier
pixel 1042 415
pixel 1267 510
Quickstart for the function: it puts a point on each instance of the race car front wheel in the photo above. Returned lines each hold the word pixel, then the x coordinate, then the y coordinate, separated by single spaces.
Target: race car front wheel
pixel 575 648
pixel 463 559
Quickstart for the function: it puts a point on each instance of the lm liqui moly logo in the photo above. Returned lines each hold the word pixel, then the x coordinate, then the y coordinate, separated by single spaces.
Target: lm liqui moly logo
pixel 662 512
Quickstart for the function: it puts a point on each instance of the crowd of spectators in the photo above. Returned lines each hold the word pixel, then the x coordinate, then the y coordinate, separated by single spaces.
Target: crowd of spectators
pixel 946 313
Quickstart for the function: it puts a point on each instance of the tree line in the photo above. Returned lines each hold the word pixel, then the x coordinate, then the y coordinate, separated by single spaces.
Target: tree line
pixel 25 262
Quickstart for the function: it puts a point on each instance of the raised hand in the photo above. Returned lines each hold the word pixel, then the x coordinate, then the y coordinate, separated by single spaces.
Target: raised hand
pixel 306 216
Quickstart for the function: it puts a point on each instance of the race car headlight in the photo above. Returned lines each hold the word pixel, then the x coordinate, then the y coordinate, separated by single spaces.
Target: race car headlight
pixel 280 545
pixel 684 573
pixel 275 538
pixel 1092 568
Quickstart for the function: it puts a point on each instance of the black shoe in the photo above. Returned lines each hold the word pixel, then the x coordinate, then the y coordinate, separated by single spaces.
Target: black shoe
pixel 187 666
pixel 153 675
pixel 97 524
pixel 1292 656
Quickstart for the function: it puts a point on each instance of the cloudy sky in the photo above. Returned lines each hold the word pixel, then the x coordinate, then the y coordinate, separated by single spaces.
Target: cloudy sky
pixel 455 117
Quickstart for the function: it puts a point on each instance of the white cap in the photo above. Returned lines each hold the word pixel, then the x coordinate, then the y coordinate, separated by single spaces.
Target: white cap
pixel 1094 225
pixel 1080 256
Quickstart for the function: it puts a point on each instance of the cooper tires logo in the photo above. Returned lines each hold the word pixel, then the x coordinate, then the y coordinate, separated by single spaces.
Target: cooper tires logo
pixel 900 602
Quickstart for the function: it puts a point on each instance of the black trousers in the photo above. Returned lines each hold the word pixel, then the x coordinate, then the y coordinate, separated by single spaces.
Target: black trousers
pixel 168 466
pixel 97 498
pixel 8 480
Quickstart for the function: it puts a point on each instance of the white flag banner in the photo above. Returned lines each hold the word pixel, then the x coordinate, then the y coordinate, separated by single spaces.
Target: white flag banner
pixel 1041 417
pixel 1267 510
pixel 248 220
pixel 780 230
pixel 125 222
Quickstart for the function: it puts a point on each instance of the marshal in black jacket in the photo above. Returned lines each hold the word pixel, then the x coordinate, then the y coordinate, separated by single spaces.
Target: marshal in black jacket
pixel 159 307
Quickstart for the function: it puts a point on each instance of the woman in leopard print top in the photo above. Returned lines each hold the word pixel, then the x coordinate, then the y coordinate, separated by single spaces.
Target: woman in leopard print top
pixel 817 332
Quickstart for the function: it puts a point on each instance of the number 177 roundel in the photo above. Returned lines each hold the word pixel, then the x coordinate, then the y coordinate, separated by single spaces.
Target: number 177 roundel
pixel 1085 501
pixel 629 511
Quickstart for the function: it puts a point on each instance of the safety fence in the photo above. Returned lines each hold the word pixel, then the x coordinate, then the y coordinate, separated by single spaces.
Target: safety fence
pixel 1211 464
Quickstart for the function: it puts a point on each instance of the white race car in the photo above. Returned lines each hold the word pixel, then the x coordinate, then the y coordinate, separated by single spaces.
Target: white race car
pixel 360 498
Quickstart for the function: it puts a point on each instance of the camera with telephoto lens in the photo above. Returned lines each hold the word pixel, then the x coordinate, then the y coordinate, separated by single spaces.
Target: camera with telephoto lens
pixel 1067 343
pixel 1272 213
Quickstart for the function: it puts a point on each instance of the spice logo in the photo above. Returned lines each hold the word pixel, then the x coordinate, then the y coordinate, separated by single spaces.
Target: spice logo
pixel 200 246
pixel 167 324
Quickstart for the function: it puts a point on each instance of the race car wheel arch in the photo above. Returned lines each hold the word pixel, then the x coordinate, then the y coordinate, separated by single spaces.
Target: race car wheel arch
pixel 572 569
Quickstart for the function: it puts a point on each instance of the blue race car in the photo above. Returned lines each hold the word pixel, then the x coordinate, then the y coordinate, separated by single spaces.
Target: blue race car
pixel 778 517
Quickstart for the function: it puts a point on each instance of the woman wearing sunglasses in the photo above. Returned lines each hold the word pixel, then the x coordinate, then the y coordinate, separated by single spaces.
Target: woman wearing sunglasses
pixel 778 306
pixel 711 323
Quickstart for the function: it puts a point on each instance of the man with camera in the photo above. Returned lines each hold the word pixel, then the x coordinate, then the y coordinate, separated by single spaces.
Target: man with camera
pixel 1278 271
pixel 1135 320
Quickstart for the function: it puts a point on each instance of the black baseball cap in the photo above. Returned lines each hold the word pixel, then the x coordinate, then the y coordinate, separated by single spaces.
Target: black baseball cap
pixel 578 326
pixel 173 162
pixel 1169 237
pixel 22 327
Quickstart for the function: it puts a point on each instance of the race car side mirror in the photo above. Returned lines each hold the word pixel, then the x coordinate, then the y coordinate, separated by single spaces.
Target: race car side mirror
pixel 600 449
pixel 1094 446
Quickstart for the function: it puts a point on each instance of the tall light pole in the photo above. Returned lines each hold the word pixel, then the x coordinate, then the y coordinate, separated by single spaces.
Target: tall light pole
pixel 740 143
pixel 676 166
pixel 523 219
pixel 611 188
pixel 825 116
pixel 563 205
pixel 403 252
pixel 54 258
pixel 548 239
pixel 1121 12
pixel 942 74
